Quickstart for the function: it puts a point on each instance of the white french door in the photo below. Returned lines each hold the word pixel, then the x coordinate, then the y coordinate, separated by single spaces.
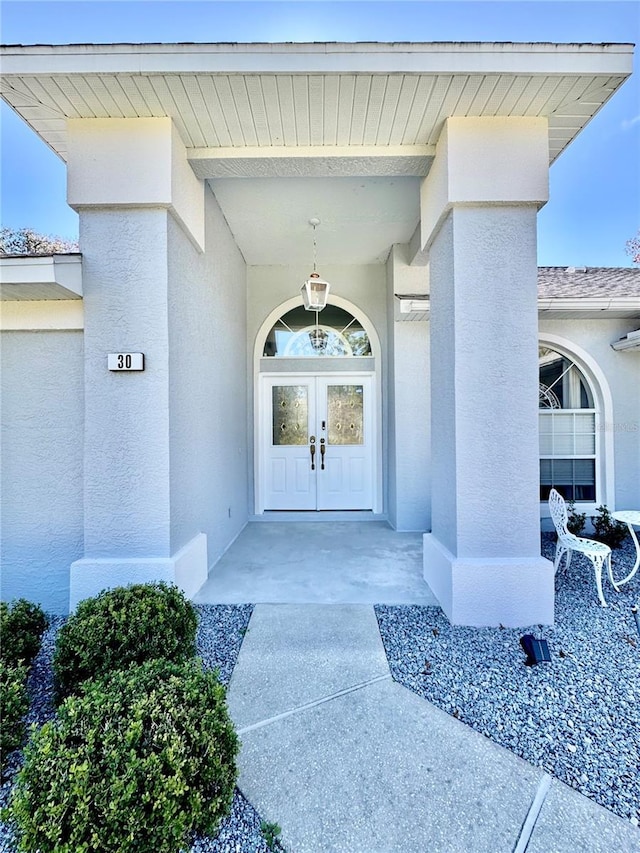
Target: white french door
pixel 317 442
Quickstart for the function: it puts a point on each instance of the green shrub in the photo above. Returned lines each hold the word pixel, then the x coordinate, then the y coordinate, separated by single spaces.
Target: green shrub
pixel 134 764
pixel 14 704
pixel 270 833
pixel 575 520
pixel 123 626
pixel 607 529
pixel 21 627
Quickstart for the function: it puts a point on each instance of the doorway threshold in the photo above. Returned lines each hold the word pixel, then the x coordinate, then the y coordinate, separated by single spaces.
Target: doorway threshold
pixel 274 515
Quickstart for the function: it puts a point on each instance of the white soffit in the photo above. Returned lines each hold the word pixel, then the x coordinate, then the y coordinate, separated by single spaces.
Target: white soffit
pixel 40 277
pixel 411 307
pixel 631 341
pixel 360 218
pixel 244 106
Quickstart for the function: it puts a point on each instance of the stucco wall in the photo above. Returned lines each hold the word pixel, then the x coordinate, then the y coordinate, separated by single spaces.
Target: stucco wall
pixel 622 373
pixel 207 386
pixel 409 402
pixel 127 414
pixel 413 427
pixel 42 498
pixel 392 484
pixel 443 412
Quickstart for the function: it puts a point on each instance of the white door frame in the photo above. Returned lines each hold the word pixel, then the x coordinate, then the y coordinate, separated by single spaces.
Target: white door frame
pixel 376 352
pixel 262 430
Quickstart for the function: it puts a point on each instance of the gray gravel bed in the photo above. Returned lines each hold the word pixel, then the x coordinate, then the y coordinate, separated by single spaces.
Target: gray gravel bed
pixel 221 629
pixel 577 717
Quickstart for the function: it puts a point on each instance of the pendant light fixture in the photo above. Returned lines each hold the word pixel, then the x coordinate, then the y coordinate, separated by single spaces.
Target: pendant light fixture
pixel 315 289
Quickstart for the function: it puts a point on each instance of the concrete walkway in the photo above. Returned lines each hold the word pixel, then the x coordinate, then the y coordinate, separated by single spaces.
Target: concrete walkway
pixel 354 562
pixel 345 759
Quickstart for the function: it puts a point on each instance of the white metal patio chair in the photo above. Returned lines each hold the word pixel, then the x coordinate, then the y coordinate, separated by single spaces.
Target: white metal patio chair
pixel 597 552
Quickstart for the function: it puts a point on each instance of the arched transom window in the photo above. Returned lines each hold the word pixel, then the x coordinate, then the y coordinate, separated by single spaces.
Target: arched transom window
pixel 568 445
pixel 332 333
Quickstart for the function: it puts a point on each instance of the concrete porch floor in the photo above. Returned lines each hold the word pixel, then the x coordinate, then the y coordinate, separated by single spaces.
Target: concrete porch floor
pixel 359 562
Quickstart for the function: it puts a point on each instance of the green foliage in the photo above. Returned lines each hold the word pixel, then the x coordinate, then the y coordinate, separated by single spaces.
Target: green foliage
pixel 575 520
pixel 133 764
pixel 607 529
pixel 270 832
pixel 14 704
pixel 122 626
pixel 21 627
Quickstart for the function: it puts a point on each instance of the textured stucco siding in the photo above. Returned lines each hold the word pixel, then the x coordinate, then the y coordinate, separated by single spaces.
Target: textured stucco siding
pixel 443 409
pixel 496 374
pixel 127 414
pixel 412 425
pixel 622 373
pixel 207 386
pixel 391 479
pixel 408 393
pixel 42 499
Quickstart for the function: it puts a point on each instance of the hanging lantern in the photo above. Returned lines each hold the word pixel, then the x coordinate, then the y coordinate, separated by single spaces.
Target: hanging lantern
pixel 319 339
pixel 314 292
pixel 315 289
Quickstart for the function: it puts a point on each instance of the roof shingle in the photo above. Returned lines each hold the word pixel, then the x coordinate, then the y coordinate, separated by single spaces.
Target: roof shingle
pixel 576 282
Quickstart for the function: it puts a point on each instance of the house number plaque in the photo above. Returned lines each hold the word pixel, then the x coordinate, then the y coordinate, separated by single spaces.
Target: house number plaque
pixel 125 360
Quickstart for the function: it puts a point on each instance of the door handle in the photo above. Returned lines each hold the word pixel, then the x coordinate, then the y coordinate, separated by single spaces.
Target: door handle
pixel 312 449
pixel 322 452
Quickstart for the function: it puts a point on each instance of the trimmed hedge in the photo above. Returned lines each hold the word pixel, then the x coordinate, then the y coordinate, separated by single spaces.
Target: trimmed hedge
pixel 122 626
pixel 14 704
pixel 134 764
pixel 21 627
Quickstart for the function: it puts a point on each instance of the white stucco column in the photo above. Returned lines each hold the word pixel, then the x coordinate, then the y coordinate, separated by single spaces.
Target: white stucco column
pixel 479 203
pixel 125 178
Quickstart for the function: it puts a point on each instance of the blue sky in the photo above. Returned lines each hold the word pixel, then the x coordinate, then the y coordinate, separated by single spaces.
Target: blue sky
pixel 595 185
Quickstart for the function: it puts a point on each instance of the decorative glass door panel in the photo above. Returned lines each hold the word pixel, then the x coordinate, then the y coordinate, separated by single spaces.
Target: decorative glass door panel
pixel 289 480
pixel 318 442
pixel 290 411
pixel 345 414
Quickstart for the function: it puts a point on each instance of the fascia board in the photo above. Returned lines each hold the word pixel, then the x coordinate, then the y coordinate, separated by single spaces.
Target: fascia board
pixel 576 304
pixel 332 58
pixel 412 304
pixel 629 342
pixel 56 274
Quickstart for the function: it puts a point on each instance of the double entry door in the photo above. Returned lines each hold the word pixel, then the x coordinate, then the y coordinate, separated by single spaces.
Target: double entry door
pixel 318 442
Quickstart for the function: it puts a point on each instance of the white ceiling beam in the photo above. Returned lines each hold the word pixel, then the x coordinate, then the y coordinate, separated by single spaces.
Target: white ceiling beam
pixel 314 161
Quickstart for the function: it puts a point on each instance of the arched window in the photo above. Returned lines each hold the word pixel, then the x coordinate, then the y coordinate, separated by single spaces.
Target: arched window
pixel 568 446
pixel 301 334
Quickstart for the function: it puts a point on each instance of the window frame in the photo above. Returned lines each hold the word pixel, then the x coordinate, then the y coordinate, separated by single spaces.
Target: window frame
pixel 338 331
pixel 600 392
pixel 571 457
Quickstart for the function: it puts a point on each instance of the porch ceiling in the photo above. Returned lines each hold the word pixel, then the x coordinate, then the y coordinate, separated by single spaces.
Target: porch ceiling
pixel 366 114
pixel 360 218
